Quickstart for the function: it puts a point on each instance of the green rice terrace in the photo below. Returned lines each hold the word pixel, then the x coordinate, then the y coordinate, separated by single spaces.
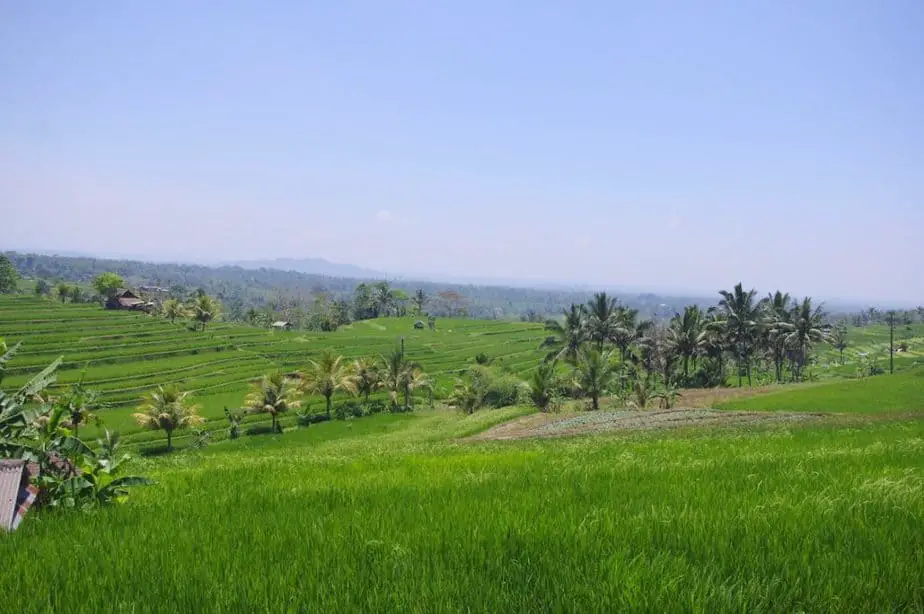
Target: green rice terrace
pixel 125 354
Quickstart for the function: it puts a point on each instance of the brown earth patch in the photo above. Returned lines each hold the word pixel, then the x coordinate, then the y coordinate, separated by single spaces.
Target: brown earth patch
pixel 584 423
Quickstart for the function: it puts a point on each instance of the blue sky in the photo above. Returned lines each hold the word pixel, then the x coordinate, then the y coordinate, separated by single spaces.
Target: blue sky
pixel 676 146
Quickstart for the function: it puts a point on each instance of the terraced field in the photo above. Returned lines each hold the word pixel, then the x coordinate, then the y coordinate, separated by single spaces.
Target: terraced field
pixel 126 354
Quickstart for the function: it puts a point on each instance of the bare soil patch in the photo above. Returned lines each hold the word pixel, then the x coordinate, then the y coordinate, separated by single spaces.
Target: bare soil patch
pixel 583 423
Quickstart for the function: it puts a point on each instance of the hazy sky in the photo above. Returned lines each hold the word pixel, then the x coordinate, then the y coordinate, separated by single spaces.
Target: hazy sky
pixel 673 145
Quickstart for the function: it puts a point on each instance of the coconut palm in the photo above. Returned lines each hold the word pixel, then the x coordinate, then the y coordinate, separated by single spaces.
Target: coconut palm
pixel 542 385
pixel 777 314
pixel 415 379
pixel 807 328
pixel 383 299
pixel 79 403
pixel 604 320
pixel 173 309
pixel 167 409
pixel 593 374
pixel 327 376
pixel 274 394
pixel 741 318
pixel 205 309
pixel 367 374
pixel 630 329
pixel 566 338
pixel 419 300
pixel 398 371
pixel 684 336
pixel 838 339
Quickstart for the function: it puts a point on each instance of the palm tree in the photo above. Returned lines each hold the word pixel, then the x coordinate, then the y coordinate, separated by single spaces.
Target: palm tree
pixel 741 320
pixel 173 309
pixel 604 320
pixel 397 373
pixel 79 403
pixel 778 313
pixel 326 376
pixel 419 300
pixel 205 309
pixel 367 373
pixel 274 394
pixel 167 409
pixel 382 299
pixel 629 330
pixel 806 329
pixel 593 374
pixel 542 385
pixel 684 336
pixel 839 339
pixel 566 338
pixel 415 379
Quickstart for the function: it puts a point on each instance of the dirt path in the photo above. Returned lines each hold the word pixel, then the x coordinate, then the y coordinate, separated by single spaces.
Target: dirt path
pixel 561 425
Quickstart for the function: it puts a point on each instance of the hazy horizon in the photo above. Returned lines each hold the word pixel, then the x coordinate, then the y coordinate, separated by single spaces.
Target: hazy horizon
pixel 597 144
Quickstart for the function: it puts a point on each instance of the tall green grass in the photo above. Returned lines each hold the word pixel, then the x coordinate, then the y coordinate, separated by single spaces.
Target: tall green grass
pixel 391 514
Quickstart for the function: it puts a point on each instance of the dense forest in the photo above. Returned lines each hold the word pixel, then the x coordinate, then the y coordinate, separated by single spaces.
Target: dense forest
pixel 306 300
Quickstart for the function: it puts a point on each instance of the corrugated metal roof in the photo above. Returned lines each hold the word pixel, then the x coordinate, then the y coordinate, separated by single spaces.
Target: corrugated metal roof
pixel 10 481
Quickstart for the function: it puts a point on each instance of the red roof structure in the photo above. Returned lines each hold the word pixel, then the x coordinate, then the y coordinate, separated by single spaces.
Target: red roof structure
pixel 16 493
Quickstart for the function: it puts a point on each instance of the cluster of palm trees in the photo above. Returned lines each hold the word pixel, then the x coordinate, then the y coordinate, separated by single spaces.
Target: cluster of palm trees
pixel 278 393
pixel 201 310
pixel 606 344
pixel 169 409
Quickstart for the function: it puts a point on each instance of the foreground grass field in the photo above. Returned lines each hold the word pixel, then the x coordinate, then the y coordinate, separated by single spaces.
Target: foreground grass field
pixel 393 513
pixel 884 393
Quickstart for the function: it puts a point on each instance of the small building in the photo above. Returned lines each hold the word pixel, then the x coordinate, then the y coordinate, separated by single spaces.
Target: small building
pixel 419 325
pixel 281 325
pixel 126 299
pixel 16 493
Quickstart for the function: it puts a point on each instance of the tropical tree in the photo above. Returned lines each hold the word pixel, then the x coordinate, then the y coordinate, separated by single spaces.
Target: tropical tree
pixel 76 294
pixel 419 300
pixel 326 376
pixel 173 309
pixel 806 329
pixel 9 278
pixel 416 379
pixel 740 320
pixel 566 338
pixel 42 288
pixel 543 385
pixel 274 394
pixel 205 309
pixel 168 409
pixel 367 374
pixel 778 314
pixel 604 320
pixel 398 374
pixel 79 403
pixel 383 299
pixel 629 330
pixel 63 291
pixel 108 284
pixel 593 373
pixel 684 336
pixel 838 339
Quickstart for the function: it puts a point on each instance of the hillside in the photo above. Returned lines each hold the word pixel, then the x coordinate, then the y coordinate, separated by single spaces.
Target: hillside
pixel 125 354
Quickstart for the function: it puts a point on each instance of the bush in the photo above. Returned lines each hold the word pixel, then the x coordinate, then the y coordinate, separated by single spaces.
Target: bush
pixel 348 409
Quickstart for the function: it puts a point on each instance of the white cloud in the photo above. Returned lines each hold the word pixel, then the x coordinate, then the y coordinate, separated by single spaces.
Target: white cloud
pixel 383 215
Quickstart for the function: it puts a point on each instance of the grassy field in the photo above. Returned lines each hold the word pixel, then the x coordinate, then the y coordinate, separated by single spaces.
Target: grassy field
pixel 883 393
pixel 393 513
pixel 127 354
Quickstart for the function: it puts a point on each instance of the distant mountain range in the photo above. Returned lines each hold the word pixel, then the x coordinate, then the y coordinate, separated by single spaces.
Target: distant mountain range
pixel 310 266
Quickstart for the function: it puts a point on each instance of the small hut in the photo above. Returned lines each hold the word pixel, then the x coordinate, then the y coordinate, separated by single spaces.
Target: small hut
pixel 126 299
pixel 16 493
pixel 281 325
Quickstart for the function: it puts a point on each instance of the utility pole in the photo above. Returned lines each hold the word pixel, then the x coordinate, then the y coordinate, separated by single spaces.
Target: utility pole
pixel 891 343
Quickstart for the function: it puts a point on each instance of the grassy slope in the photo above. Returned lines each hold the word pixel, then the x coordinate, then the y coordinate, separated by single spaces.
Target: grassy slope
pixel 388 513
pixel 899 392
